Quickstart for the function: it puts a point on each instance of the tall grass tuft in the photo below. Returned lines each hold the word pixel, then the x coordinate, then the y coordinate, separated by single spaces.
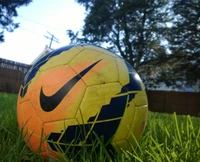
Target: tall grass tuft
pixel 167 138
pixel 12 146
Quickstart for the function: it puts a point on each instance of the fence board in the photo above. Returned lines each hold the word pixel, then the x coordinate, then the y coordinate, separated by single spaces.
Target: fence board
pixel 185 103
pixel 11 75
pixel 156 101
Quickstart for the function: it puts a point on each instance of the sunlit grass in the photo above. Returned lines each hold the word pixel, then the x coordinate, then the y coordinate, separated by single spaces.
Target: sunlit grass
pixel 167 138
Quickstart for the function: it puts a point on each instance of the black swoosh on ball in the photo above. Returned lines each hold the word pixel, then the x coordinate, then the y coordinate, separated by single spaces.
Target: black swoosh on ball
pixel 49 103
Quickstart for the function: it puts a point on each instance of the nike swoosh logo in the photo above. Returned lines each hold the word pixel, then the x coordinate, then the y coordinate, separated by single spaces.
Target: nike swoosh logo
pixel 49 103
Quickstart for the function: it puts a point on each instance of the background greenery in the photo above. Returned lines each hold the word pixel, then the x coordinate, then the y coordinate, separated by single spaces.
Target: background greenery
pixel 160 38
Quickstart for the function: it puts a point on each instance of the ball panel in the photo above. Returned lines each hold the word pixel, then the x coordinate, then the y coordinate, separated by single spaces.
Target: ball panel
pixel 66 134
pixel 66 108
pixel 121 145
pixel 126 122
pixel 20 114
pixel 115 146
pixel 56 76
pixel 40 62
pixel 141 99
pixel 122 71
pixel 62 59
pixel 26 96
pixel 139 123
pixel 128 77
pixel 59 126
pixel 95 97
pixel 99 74
pixel 49 83
pixel 32 125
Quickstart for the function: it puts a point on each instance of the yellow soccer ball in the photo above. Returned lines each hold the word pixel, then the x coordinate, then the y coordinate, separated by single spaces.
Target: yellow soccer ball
pixel 78 90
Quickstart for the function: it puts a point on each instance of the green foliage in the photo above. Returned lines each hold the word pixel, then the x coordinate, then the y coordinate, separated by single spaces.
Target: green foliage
pixel 180 68
pixel 7 12
pixel 184 39
pixel 159 38
pixel 130 28
pixel 12 146
pixel 167 137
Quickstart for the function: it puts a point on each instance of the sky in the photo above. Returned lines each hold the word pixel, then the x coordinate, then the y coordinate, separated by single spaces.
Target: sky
pixel 36 20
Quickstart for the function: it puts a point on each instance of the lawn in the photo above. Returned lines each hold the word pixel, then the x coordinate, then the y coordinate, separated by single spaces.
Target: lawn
pixel 167 138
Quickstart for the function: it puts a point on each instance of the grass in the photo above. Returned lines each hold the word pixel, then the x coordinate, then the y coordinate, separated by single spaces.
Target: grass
pixel 167 138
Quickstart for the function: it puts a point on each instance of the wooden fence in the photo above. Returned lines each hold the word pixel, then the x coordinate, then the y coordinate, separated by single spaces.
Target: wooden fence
pixel 11 75
pixel 185 103
pixel 188 103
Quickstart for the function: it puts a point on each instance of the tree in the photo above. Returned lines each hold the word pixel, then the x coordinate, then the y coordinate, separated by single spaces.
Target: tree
pixel 184 42
pixel 129 28
pixel 136 30
pixel 181 68
pixel 7 12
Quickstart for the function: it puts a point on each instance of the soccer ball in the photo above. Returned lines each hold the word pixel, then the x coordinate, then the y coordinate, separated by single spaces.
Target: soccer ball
pixel 76 93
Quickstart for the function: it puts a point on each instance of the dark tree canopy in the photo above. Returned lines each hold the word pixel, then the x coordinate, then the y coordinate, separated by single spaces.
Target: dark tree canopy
pixel 129 28
pixel 181 68
pixel 138 30
pixel 7 12
pixel 184 40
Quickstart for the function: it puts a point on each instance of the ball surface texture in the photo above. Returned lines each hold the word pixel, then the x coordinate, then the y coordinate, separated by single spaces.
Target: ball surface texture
pixel 75 92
